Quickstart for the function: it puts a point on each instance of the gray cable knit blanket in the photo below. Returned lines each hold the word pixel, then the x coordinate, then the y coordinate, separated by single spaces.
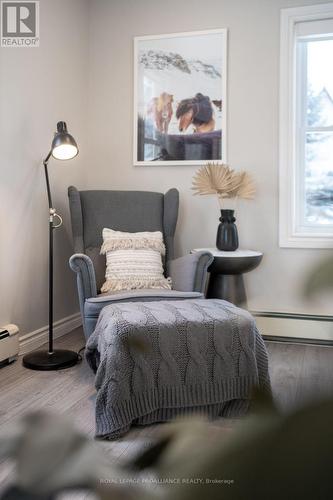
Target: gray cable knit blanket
pixel 156 360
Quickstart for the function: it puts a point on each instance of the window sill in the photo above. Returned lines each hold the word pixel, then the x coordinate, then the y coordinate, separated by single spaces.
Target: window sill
pixel 305 241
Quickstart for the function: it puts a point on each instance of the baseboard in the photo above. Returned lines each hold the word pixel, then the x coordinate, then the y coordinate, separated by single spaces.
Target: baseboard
pixel 295 327
pixel 296 340
pixel 33 340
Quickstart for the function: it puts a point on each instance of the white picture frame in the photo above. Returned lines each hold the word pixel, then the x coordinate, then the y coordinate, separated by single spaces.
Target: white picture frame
pixel 180 98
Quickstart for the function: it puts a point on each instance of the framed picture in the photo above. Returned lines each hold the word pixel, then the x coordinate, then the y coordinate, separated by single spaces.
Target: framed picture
pixel 180 98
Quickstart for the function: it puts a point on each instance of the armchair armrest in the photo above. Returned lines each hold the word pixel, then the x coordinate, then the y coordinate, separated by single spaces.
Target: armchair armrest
pixel 189 273
pixel 82 265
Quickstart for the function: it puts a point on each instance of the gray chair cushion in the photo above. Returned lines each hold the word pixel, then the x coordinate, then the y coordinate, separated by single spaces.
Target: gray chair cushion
pixel 129 211
pixel 94 305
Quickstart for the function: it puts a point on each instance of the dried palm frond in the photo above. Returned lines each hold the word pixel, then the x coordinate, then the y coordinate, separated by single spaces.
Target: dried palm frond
pixel 222 181
pixel 245 187
pixel 213 179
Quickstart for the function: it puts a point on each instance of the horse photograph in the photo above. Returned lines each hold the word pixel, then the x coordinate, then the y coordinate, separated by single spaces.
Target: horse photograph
pixel 180 98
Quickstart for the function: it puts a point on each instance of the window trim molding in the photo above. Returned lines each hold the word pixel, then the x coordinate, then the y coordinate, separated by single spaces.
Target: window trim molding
pixel 288 237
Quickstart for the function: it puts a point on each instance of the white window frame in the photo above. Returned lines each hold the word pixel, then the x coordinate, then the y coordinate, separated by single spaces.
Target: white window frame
pixel 289 235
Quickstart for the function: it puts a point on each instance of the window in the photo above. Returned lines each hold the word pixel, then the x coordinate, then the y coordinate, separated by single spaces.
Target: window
pixel 306 127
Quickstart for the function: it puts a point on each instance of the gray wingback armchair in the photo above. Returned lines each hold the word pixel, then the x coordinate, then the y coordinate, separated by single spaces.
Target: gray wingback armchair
pixel 131 211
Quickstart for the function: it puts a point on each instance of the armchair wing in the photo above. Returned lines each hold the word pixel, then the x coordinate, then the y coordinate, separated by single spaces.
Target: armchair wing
pixel 82 265
pixel 189 273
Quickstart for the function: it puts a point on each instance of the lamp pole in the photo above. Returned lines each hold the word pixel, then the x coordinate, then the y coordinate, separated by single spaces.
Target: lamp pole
pixel 52 227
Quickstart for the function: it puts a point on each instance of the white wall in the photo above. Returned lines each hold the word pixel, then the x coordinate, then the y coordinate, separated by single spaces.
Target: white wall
pixel 252 128
pixel 38 87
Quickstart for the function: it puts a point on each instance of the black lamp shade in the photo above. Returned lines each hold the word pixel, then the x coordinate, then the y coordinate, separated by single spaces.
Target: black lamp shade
pixel 64 146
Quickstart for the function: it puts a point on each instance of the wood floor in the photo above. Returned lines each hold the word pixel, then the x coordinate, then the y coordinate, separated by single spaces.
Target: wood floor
pixel 299 373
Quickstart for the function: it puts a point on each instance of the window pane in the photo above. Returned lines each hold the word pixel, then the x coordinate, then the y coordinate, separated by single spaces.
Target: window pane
pixel 320 83
pixel 319 178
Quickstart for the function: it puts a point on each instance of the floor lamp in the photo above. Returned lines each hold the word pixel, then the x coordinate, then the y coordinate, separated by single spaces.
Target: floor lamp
pixel 63 147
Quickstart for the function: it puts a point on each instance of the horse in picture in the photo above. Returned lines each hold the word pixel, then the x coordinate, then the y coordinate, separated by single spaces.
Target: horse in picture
pixel 197 110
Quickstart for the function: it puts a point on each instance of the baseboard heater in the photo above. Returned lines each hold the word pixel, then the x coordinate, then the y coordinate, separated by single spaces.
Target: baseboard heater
pixel 295 328
pixel 9 344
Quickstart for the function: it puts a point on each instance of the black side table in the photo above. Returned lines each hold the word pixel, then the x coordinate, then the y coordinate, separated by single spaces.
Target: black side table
pixel 226 274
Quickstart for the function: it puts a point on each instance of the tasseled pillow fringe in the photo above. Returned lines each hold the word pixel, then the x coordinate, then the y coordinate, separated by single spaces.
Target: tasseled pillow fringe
pixel 118 284
pixel 120 243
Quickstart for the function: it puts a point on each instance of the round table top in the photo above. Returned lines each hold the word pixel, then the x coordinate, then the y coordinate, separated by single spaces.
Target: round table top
pixel 237 253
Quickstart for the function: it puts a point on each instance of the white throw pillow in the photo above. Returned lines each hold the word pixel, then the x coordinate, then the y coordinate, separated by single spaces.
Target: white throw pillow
pixel 133 260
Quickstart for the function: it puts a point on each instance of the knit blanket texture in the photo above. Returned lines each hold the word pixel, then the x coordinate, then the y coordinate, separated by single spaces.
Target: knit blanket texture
pixel 158 360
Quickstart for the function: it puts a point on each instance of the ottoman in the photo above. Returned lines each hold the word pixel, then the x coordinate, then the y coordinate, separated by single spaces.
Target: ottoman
pixel 158 360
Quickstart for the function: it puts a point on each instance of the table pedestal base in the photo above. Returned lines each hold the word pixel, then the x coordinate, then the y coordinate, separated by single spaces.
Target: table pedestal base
pixel 228 287
pixel 226 274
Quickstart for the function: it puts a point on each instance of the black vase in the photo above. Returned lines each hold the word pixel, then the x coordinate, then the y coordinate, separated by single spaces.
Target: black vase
pixel 227 234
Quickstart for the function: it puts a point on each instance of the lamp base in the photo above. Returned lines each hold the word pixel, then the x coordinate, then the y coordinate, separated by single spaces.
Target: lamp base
pixel 57 360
